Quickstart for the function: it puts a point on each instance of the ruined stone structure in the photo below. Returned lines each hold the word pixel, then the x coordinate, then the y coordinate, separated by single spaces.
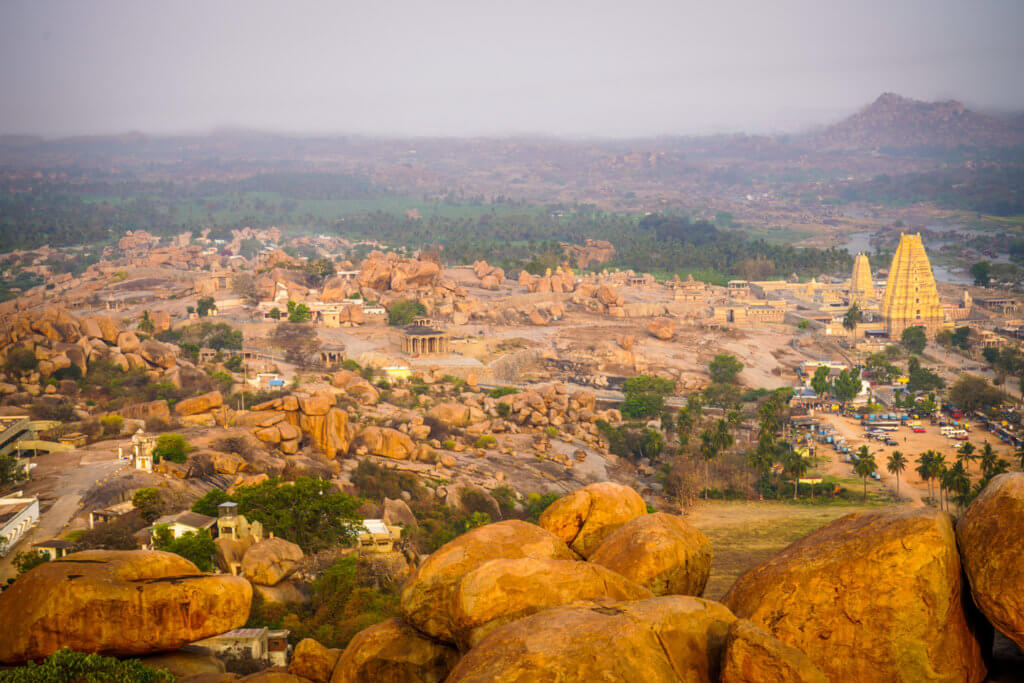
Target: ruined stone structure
pixel 911 297
pixel 423 340
pixel 861 286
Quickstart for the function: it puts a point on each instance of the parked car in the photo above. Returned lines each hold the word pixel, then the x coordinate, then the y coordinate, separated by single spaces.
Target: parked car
pixel 919 430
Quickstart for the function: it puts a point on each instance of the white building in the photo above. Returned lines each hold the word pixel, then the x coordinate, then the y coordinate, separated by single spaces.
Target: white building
pixel 261 644
pixel 17 516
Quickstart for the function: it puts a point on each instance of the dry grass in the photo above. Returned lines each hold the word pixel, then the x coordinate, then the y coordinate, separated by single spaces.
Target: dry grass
pixel 745 534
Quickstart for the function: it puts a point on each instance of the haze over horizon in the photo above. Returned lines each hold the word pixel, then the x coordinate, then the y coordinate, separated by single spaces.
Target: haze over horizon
pixel 457 68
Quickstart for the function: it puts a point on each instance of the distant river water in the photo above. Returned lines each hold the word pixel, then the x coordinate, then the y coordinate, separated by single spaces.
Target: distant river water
pixel 861 241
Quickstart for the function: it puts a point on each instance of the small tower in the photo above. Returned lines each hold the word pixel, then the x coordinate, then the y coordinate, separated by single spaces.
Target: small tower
pixel 861 286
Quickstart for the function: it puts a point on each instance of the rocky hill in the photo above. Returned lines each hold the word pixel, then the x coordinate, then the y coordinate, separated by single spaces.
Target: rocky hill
pixel 896 121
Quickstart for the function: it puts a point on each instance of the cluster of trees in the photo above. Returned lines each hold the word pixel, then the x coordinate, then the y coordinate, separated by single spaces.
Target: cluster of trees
pixel 404 311
pixel 843 388
pixel 952 482
pixel 645 396
pixel 199 335
pixel 68 665
pixel 309 512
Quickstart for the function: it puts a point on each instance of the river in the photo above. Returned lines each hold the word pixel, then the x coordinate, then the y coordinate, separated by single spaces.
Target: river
pixel 861 242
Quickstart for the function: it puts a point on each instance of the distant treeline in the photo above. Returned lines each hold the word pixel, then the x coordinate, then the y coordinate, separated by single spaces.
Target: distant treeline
pixel 994 190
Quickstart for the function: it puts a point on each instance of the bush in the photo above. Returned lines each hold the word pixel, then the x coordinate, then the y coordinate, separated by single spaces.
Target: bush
pixel 20 360
pixel 29 560
pixel 537 503
pixel 485 441
pixel 172 447
pixel 403 312
pixel 502 391
pixel 551 431
pixel 637 406
pixel 197 547
pixel 448 444
pixel 504 410
pixel 350 365
pixel 149 503
pixel 67 665
pixel 112 424
pixel 50 409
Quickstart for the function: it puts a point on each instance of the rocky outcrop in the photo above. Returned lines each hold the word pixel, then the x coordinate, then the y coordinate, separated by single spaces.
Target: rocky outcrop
pixel 386 443
pixel 753 655
pixel 587 516
pixel 276 421
pixel 356 387
pixel 873 596
pixel 390 272
pixel 661 552
pixel 392 651
pixel 989 535
pixel 662 328
pixel 312 660
pixel 199 404
pixel 427 598
pixel 592 252
pixel 455 414
pixel 500 591
pixel 271 561
pixel 668 639
pixel 117 603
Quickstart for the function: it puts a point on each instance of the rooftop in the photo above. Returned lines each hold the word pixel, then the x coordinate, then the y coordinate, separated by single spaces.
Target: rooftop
pixel 423 331
pixel 187 518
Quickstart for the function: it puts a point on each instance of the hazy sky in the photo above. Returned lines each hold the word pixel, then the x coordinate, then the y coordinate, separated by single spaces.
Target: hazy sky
pixel 452 67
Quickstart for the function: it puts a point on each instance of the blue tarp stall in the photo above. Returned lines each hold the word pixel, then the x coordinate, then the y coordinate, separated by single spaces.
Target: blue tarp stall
pixel 276 383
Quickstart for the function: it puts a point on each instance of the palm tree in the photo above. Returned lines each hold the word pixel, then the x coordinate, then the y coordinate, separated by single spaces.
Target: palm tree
pixel 797 465
pixel 966 452
pixel 713 441
pixel 957 480
pixel 924 469
pixel 897 463
pixel 1020 455
pixel 989 458
pixel 938 469
pixel 865 466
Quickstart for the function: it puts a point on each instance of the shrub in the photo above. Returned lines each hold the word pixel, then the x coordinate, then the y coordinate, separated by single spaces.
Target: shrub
pixel 197 547
pixel 403 312
pixel 29 560
pixel 448 444
pixel 485 441
pixel 350 365
pixel 21 359
pixel 172 447
pixel 502 391
pixel 112 424
pixel 67 665
pixel 504 409
pixel 551 431
pixel 638 406
pixel 537 503
pixel 149 503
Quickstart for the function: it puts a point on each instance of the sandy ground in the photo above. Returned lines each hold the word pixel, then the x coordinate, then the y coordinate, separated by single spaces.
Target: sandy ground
pixel 911 445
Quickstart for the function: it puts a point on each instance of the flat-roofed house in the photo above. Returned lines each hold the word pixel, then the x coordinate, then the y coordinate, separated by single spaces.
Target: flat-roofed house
pixel 17 516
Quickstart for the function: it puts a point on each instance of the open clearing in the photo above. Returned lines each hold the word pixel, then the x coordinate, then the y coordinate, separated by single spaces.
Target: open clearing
pixel 744 534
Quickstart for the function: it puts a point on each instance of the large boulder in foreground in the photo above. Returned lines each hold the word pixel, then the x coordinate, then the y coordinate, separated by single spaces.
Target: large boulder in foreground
pixel 873 596
pixel 753 655
pixel 587 516
pixel 117 602
pixel 312 660
pixel 200 404
pixel 500 591
pixel 428 594
pixel 661 552
pixel 271 561
pixel 990 537
pixel 662 639
pixel 391 651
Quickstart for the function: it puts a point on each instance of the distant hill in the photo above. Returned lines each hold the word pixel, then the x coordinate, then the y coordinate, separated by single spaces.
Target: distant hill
pixel 901 122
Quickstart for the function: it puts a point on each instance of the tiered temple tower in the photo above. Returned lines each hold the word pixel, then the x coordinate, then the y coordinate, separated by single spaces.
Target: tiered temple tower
pixel 911 297
pixel 861 286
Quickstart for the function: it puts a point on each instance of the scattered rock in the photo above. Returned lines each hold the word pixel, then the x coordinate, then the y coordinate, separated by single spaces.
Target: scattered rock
pixel 199 404
pixel 392 651
pixel 753 655
pixel 312 660
pixel 271 561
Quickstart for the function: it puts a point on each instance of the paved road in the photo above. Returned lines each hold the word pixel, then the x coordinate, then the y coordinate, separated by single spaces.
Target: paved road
pixel 71 484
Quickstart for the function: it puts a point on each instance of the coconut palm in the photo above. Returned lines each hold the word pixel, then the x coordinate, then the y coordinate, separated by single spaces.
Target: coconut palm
pixel 924 469
pixel 956 480
pixel 896 465
pixel 797 465
pixel 966 452
pixel 713 441
pixel 988 458
pixel 865 466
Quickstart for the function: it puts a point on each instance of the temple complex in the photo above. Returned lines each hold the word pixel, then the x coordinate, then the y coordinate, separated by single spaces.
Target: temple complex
pixel 911 297
pixel 861 286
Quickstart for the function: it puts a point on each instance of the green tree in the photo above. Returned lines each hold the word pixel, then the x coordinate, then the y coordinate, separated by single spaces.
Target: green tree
pixel 207 505
pixel 21 360
pixel 966 452
pixel 957 481
pixel 689 417
pixel 319 271
pixel 982 273
pixel 404 311
pixel 820 382
pixel 971 392
pixel 146 323
pixel 67 666
pixel 638 406
pixel 11 471
pixel 205 306
pixel 149 503
pixel 896 465
pixel 171 446
pixel 274 313
pixel 796 464
pixel 847 385
pixel 648 384
pixel 725 369
pixel 865 467
pixel 195 546
pixel 30 559
pixel 298 313
pixel 914 339
pixel 309 512
pixel 853 317
pixel 713 441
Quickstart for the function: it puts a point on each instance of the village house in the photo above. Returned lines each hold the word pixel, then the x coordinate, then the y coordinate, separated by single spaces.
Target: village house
pixel 260 644
pixel 17 516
